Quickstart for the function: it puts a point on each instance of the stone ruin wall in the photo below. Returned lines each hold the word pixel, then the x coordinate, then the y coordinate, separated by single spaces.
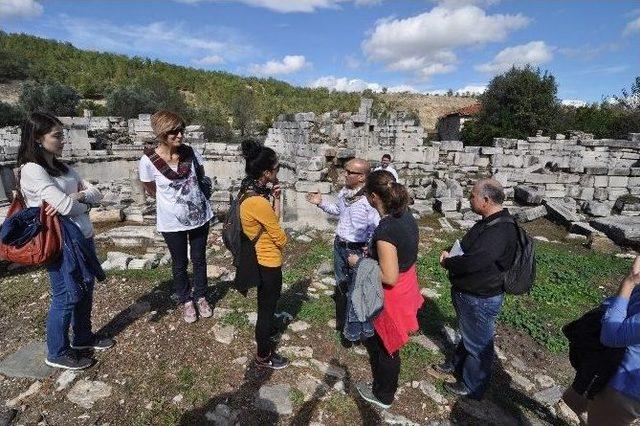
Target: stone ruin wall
pixel 578 181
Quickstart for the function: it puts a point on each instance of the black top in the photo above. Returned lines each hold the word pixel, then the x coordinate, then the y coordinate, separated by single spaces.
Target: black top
pixel 402 232
pixel 487 252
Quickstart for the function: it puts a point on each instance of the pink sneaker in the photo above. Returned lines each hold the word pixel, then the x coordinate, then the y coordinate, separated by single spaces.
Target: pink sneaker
pixel 189 312
pixel 203 308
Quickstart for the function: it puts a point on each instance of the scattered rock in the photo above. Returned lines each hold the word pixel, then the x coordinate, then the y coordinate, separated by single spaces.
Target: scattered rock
pixel 450 334
pixel 519 365
pixel 330 281
pixel 224 333
pixel 325 268
pixel 252 317
pixel 310 386
pixel 549 396
pixel 215 272
pixel 275 399
pixel 241 360
pixel 561 213
pixel 299 326
pixel 177 399
pixel 429 293
pixel 219 312
pixel 530 214
pixel 623 230
pixel 397 419
pixel 85 393
pixel 597 208
pixel 430 391
pixel 529 195
pixel 566 413
pixel 520 381
pixel 28 362
pixel 222 415
pixel 328 369
pixel 33 389
pixel 544 381
pixel 331 324
pixel 65 379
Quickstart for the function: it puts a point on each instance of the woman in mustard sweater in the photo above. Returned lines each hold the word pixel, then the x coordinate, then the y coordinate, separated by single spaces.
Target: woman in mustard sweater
pixel 260 215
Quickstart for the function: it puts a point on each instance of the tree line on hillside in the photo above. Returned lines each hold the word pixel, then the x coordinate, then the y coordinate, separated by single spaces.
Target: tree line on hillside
pixel 65 80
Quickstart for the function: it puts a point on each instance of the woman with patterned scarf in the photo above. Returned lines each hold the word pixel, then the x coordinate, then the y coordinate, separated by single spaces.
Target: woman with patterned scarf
pixel 259 215
pixel 168 173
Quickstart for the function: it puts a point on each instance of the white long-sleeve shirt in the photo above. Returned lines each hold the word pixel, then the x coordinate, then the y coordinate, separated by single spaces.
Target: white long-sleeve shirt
pixel 357 221
pixel 37 186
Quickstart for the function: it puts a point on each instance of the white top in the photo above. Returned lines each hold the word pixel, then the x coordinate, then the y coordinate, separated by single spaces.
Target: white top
pixel 37 185
pixel 389 169
pixel 357 221
pixel 180 204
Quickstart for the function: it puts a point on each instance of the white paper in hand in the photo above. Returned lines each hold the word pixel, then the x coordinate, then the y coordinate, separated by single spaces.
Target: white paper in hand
pixel 456 250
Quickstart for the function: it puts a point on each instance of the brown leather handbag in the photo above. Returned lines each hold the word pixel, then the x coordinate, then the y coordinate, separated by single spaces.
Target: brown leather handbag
pixel 44 247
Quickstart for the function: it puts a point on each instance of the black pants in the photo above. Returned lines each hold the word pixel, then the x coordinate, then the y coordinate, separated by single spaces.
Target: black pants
pixel 177 243
pixel 385 369
pixel 269 290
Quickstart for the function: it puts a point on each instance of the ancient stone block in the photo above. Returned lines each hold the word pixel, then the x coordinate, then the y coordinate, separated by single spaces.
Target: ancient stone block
pixel 321 187
pixel 446 204
pixel 618 181
pixel 529 195
pixel 560 213
pixel 586 194
pixel 529 214
pixel 540 178
pixel 451 145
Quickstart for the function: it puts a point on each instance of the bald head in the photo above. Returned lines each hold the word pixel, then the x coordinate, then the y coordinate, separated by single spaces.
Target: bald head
pixel 490 188
pixel 359 165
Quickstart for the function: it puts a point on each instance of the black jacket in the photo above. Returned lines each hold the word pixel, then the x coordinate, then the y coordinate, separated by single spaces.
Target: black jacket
pixel 487 252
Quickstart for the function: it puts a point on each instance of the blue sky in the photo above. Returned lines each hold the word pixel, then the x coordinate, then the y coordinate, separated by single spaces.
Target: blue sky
pixel 592 47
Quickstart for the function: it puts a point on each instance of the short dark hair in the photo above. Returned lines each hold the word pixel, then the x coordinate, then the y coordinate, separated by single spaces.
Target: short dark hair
pixel 394 196
pixel 492 192
pixel 258 158
pixel 386 156
pixel 30 151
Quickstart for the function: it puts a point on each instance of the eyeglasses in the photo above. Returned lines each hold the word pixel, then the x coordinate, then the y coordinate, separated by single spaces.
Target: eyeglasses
pixel 349 172
pixel 174 132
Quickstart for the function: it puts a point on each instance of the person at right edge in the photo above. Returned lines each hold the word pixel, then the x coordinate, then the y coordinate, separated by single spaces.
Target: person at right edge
pixel 618 404
pixel 260 215
pixel 477 289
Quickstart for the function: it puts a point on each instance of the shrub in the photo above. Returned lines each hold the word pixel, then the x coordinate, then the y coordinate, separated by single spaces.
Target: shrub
pixel 57 99
pixel 10 115
pixel 144 97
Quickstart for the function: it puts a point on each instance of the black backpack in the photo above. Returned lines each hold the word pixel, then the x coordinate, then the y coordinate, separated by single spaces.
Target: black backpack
pixel 241 247
pixel 594 362
pixel 519 278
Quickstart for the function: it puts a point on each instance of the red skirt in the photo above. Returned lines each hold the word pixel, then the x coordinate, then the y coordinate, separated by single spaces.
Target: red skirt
pixel 399 315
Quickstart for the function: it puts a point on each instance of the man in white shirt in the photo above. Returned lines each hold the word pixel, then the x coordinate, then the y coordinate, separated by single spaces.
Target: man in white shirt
pixel 385 164
pixel 357 221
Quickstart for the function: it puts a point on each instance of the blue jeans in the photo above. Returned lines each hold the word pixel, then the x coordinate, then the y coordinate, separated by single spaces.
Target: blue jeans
pixel 474 354
pixel 342 272
pixel 65 312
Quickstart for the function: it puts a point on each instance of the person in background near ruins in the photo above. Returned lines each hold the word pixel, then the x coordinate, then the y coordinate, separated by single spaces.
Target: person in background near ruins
pixel 43 177
pixel 168 173
pixel 385 164
pixel 357 221
pixel 618 404
pixel 260 216
pixel 477 289
pixel 395 246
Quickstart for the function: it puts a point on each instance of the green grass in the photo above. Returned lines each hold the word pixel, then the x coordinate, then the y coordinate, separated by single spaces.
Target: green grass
pixel 303 266
pixel 415 359
pixel 567 285
pixel 297 397
pixel 317 311
pixel 236 319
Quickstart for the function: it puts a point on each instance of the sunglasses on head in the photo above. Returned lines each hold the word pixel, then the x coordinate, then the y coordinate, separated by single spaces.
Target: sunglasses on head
pixel 174 132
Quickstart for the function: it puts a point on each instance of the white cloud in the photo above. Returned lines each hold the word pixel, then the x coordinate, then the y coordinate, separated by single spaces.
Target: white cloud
pixel 15 9
pixel 343 84
pixel 472 89
pixel 424 44
pixel 574 102
pixel 533 53
pixel 351 62
pixel 204 46
pixel 210 60
pixel 632 27
pixel 290 6
pixel 289 64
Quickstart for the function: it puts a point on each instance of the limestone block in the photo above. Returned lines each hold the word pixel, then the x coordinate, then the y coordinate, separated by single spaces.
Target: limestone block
pixel 600 181
pixel 455 189
pixel 451 145
pixel 561 213
pixel 586 194
pixel 490 150
pixel 446 204
pixel 596 170
pixel 464 159
pixel 311 176
pixel 601 194
pixel 618 181
pixel 529 214
pixel 540 178
pixel 505 143
pixel 573 191
pixel 568 178
pixel 587 181
pixel 529 195
pixel 615 193
pixel 482 162
pixel 321 187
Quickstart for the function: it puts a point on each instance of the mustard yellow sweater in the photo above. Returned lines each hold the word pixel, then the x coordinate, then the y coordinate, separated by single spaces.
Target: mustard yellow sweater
pixel 256 213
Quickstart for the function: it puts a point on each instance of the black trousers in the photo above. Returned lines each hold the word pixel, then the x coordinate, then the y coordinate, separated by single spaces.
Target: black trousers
pixel 269 290
pixel 177 243
pixel 385 369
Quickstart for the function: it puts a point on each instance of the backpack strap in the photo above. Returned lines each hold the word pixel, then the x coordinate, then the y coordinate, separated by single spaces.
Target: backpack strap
pixel 241 199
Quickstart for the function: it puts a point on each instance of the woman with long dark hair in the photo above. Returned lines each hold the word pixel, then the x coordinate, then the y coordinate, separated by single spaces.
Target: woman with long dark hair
pixel 260 215
pixel 395 246
pixel 169 172
pixel 43 177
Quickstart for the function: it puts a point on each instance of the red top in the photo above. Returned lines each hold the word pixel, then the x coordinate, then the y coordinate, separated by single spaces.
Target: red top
pixel 399 314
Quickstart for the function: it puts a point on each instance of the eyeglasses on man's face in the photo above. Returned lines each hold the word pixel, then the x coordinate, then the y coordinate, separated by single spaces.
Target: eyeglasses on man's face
pixel 351 172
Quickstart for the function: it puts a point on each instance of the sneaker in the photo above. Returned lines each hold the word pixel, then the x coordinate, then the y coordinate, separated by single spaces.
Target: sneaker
pixel 444 368
pixel 457 388
pixel 69 362
pixel 189 312
pixel 364 389
pixel 203 308
pixel 98 344
pixel 275 362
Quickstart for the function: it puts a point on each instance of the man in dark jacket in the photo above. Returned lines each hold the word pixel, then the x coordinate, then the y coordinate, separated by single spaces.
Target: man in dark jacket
pixel 477 288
